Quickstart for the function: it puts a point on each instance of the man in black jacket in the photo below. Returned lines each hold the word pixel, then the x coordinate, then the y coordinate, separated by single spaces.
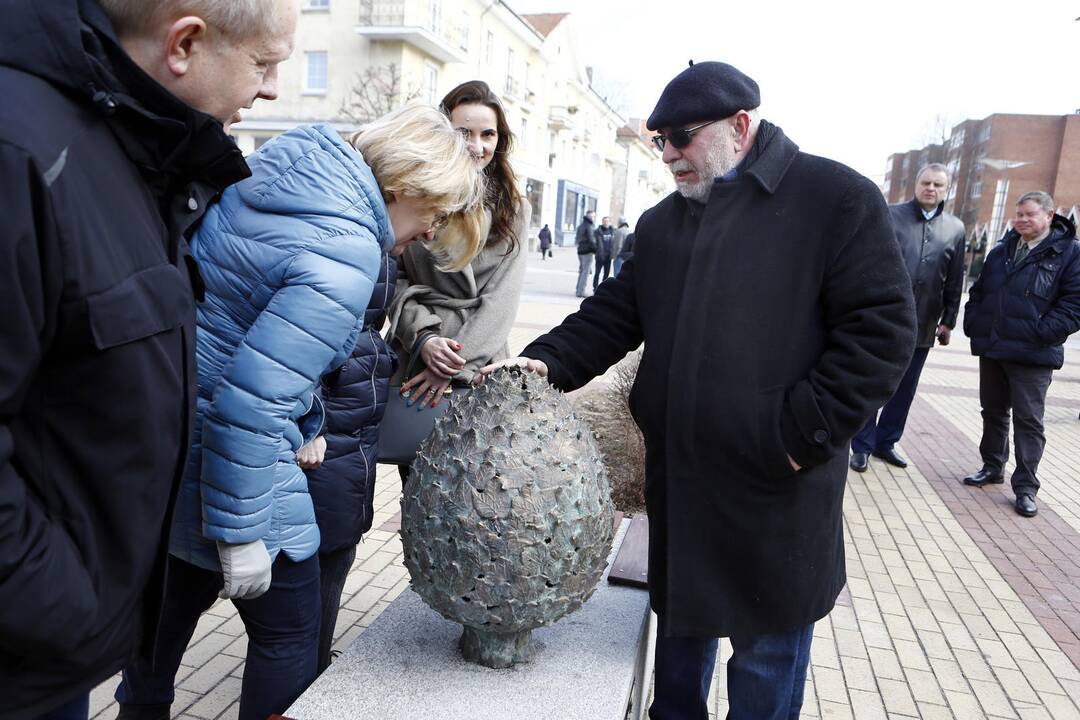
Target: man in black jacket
pixel 605 242
pixel 586 248
pixel 112 142
pixel 932 243
pixel 1019 313
pixel 776 316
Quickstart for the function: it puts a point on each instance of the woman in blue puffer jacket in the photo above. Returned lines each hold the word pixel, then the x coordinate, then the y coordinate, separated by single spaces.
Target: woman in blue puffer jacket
pixel 289 257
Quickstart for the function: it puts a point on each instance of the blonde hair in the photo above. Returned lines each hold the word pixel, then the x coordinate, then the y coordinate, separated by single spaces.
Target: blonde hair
pixel 415 152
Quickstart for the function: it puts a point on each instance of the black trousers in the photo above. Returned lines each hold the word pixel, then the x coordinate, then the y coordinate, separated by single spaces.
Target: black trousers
pixel 603 265
pixel 1005 386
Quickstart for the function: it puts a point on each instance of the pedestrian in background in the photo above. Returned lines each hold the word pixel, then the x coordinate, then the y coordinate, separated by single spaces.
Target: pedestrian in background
pixel 1020 311
pixel 113 141
pixel 746 427
pixel 605 242
pixel 616 246
pixel 290 258
pixel 585 239
pixel 932 243
pixel 545 242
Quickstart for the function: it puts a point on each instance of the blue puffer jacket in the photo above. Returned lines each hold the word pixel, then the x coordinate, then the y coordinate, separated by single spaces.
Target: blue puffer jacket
pixel 289 257
pixel 1024 313
pixel 355 397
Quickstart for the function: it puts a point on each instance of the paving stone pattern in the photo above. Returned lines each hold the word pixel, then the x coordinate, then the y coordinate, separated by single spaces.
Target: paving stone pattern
pixel 956 607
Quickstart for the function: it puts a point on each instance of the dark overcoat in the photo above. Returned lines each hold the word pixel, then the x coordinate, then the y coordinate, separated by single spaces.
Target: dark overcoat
pixel 104 173
pixel 776 319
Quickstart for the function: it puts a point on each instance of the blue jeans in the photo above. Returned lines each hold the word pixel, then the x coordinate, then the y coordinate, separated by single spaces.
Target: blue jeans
pixel 881 433
pixel 77 709
pixel 765 676
pixel 283 637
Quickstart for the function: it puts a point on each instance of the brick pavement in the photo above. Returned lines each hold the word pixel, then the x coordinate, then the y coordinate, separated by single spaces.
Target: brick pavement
pixel 956 607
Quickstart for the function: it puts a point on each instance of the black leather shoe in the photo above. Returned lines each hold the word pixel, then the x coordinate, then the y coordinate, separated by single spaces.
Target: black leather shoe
pixel 1025 505
pixel 859 462
pixel 984 477
pixel 892 457
pixel 144 712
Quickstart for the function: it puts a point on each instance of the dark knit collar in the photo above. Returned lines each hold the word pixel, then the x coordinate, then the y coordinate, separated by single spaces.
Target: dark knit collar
pixel 770 157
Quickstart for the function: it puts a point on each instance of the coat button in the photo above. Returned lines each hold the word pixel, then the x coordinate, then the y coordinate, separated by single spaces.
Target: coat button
pixel 820 436
pixel 192 204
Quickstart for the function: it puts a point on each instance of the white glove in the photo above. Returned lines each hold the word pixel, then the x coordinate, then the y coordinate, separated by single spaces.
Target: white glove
pixel 246 568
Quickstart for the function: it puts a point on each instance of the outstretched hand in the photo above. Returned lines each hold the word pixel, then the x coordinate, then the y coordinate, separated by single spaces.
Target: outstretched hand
pixel 537 366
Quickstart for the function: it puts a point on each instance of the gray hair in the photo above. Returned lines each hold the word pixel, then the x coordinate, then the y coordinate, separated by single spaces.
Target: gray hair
pixel 1040 198
pixel 933 167
pixel 236 19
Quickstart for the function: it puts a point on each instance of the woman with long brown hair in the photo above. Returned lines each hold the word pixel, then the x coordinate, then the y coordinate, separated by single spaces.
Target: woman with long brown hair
pixel 445 326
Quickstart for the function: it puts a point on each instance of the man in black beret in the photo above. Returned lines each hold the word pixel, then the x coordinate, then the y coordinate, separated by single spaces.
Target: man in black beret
pixel 777 316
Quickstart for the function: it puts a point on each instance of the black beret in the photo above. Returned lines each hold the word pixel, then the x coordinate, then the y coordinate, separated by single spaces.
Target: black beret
pixel 704 91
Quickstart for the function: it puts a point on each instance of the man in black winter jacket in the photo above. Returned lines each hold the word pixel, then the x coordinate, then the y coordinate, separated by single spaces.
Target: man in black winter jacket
pixel 112 142
pixel 1019 313
pixel 605 245
pixel 776 315
pixel 932 243
pixel 586 249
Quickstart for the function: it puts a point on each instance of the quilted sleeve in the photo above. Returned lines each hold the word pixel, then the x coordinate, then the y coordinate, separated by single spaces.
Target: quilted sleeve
pixel 306 325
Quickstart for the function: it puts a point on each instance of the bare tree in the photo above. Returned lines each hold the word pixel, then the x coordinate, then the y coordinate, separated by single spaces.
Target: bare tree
pixel 615 92
pixel 376 91
pixel 937 129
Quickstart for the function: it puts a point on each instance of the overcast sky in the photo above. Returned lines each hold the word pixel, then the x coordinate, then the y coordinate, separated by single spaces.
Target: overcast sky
pixel 854 80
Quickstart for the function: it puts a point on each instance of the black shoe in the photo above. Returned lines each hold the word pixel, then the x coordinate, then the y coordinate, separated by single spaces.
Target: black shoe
pixel 144 712
pixel 859 462
pixel 1025 505
pixel 984 477
pixel 892 457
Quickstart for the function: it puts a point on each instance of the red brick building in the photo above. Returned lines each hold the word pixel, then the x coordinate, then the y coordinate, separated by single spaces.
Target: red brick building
pixel 992 162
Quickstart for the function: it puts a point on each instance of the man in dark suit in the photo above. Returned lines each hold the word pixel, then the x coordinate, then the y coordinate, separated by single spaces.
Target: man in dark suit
pixel 932 243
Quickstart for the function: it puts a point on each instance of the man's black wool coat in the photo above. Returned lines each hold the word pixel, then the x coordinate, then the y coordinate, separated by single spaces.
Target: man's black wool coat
pixel 776 319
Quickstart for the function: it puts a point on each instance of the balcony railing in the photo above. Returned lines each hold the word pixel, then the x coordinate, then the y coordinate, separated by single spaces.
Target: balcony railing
pixel 417 22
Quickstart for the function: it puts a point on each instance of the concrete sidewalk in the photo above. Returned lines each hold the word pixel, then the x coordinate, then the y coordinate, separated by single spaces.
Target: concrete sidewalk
pixel 956 607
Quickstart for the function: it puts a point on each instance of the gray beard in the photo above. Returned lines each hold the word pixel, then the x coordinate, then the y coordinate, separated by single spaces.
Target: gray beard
pixel 719 161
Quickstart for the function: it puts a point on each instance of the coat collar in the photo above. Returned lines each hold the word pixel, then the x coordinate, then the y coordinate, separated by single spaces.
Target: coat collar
pixel 917 210
pixel 775 155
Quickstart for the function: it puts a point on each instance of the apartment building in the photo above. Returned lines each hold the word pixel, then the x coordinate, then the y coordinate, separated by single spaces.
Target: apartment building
pixel 357 59
pixel 992 162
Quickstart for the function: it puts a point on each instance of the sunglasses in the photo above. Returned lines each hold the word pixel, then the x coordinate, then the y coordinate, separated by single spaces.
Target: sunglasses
pixel 679 138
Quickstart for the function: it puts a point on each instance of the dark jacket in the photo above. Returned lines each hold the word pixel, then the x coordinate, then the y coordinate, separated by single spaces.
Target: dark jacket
pixel 605 239
pixel 545 238
pixel 626 251
pixel 586 237
pixel 104 172
pixel 354 397
pixel 933 252
pixel 1024 313
pixel 776 319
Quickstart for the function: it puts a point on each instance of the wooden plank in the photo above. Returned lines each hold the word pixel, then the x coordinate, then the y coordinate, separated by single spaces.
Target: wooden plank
pixel 631 565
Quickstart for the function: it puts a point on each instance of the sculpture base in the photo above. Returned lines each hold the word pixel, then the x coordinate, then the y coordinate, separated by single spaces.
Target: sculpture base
pixel 496 650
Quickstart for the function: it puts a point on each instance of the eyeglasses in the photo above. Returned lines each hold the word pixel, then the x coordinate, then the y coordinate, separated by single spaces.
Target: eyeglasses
pixel 679 138
pixel 440 221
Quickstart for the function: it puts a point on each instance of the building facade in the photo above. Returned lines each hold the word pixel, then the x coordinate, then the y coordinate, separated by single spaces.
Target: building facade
pixel 357 59
pixel 992 162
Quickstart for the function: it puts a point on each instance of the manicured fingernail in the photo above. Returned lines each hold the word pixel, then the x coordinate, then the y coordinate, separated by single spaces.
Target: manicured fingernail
pixel 408 403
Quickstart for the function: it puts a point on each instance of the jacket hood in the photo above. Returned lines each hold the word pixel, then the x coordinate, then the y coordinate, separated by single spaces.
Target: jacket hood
pixel 311 170
pixel 71 45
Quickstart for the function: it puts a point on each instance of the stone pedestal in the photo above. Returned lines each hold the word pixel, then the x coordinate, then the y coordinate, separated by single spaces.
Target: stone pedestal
pixel 407 666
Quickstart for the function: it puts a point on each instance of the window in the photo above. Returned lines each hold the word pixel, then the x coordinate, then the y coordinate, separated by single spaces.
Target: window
pixel 984 132
pixel 436 16
pixel 523 138
pixel 431 83
pixel 510 88
pixel 976 189
pixel 261 140
pixel 464 40
pixel 316 4
pixel 489 51
pixel 317 75
pixel 525 81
